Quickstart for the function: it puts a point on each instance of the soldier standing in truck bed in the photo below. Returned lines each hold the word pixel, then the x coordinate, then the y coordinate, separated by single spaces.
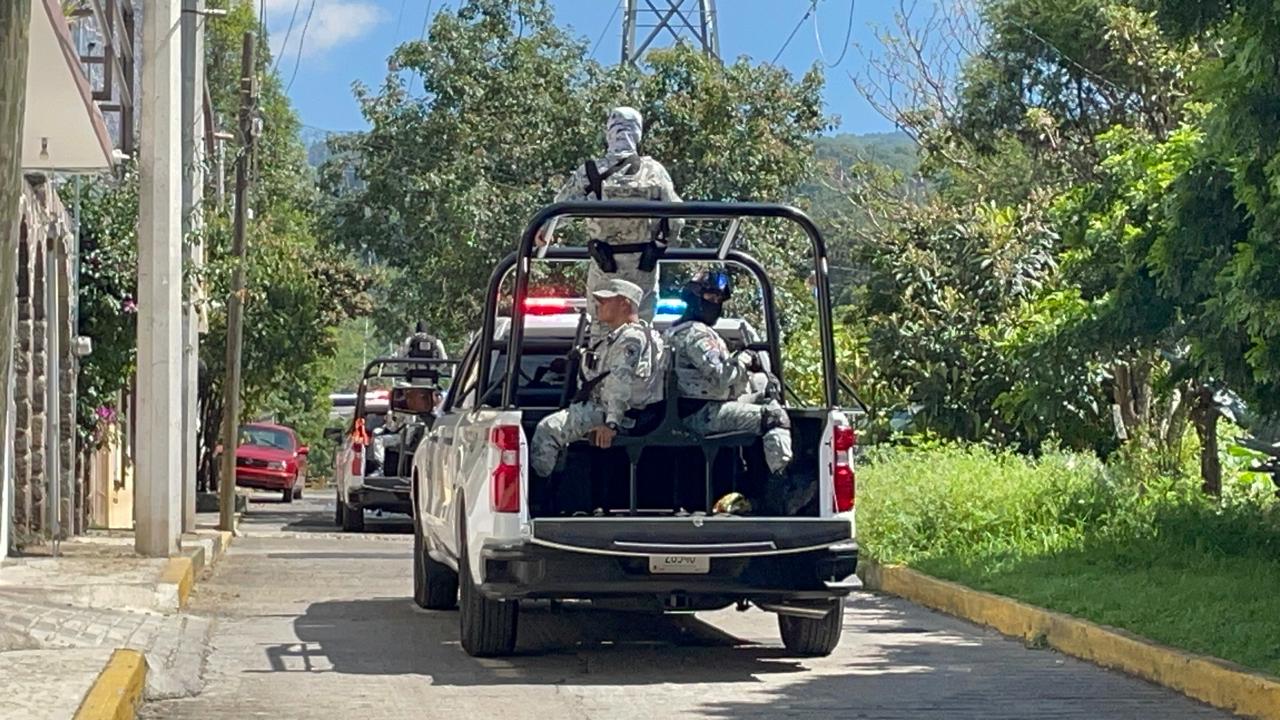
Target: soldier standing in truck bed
pixel 626 248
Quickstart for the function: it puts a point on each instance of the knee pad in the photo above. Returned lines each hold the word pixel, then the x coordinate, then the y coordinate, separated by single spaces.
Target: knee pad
pixel 772 416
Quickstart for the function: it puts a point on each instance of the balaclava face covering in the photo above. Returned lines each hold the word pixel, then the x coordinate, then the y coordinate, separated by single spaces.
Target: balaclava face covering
pixel 622 133
pixel 697 307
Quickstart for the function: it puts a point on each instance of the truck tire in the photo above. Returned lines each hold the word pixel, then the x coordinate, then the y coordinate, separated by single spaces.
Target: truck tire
pixel 435 585
pixel 352 518
pixel 286 495
pixel 337 510
pixel 488 627
pixel 813 638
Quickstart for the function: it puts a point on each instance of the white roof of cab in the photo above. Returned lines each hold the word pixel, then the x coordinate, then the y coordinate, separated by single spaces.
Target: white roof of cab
pixel 564 326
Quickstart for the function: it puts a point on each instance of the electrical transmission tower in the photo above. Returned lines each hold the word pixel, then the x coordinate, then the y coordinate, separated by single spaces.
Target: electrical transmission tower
pixel 682 19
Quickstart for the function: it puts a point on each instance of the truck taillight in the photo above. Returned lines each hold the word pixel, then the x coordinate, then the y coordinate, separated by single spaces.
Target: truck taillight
pixel 357 459
pixel 843 438
pixel 505 484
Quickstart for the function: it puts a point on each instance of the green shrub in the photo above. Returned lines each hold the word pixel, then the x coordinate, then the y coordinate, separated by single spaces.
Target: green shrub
pixel 1111 543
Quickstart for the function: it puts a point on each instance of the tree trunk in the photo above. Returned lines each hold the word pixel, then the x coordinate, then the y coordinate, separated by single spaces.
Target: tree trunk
pixel 1173 425
pixel 209 398
pixel 1205 417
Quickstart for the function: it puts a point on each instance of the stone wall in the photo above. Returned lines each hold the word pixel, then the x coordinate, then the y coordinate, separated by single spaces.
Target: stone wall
pixel 45 228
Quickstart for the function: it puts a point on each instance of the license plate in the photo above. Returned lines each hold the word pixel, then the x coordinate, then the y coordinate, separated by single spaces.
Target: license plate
pixel 679 564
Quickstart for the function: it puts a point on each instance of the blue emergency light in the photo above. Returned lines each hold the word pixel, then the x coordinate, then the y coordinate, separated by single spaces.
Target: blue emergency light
pixel 670 306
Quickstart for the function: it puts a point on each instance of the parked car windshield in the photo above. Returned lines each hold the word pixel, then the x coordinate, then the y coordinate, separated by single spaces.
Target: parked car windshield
pixel 266 437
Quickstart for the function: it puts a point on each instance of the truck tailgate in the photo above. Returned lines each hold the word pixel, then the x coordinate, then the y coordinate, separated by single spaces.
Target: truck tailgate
pixel 697 535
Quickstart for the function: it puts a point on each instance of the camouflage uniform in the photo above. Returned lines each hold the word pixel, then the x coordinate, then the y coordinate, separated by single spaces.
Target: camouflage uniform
pixel 706 371
pixel 633 360
pixel 634 177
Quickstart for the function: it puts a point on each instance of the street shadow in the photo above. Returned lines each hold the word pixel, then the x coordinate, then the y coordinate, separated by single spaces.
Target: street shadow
pixel 572 644
pixel 896 661
pixel 318 518
pixel 900 661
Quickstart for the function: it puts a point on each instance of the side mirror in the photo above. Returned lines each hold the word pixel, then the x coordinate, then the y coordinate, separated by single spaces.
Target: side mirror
pixel 415 400
pixel 304 450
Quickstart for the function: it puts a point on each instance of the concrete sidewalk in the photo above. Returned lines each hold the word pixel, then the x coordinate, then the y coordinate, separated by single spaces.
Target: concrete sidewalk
pixel 62 617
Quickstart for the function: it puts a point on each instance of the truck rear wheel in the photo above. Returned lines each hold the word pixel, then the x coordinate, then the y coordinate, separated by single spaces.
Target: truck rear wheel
pixel 813 637
pixel 435 585
pixel 488 627
pixel 352 518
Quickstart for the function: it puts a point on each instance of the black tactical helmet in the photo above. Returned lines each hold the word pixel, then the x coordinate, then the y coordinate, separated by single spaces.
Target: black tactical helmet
pixel 715 280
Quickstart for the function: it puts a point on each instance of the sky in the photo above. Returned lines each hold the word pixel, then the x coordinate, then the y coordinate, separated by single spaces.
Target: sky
pixel 349 40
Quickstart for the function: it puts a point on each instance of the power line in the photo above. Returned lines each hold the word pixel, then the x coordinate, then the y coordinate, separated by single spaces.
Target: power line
pixel 848 35
pixel 297 63
pixel 426 24
pixel 605 30
pixel 426 19
pixel 794 30
pixel 296 4
pixel 400 18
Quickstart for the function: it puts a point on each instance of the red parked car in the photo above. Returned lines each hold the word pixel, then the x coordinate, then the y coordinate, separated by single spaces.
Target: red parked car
pixel 271 458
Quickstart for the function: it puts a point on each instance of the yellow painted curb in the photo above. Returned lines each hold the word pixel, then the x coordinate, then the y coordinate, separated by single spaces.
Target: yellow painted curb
pixel 180 571
pixel 1208 679
pixel 117 692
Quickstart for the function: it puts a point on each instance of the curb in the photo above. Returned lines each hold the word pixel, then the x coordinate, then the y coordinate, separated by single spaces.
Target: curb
pixel 117 692
pixel 1207 679
pixel 180 572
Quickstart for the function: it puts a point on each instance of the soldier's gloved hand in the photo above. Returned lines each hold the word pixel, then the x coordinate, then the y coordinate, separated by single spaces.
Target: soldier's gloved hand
pixel 750 359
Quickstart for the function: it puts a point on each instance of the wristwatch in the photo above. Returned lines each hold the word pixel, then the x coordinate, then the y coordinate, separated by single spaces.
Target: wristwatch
pixel 612 426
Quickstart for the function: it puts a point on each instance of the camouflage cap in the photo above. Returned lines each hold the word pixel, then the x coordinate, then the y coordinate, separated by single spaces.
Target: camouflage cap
pixel 617 287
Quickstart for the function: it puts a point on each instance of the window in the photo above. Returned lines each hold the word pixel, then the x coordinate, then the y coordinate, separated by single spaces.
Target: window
pixel 269 437
pixel 462 393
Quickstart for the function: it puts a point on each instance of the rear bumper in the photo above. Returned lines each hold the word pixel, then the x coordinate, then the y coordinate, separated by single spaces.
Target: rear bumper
pixel 527 570
pixel 391 494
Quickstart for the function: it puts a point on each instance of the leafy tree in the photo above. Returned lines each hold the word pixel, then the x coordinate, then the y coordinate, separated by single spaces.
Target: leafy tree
pixel 107 300
pixel 1220 260
pixel 298 291
pixel 943 282
pixel 510 105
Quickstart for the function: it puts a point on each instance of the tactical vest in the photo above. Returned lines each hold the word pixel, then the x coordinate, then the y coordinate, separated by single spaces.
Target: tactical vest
pixel 644 183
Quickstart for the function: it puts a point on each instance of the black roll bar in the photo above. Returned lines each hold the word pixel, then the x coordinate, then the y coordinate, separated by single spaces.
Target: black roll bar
pixel 379 363
pixel 687 210
pixel 673 255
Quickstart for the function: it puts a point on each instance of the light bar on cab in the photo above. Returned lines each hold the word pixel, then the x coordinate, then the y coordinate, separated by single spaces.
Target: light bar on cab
pixel 671 306
pixel 547 306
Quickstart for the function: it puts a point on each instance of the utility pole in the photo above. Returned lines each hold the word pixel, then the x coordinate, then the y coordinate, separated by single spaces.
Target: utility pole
pixel 15 28
pixel 235 305
pixel 677 18
pixel 159 406
pixel 192 224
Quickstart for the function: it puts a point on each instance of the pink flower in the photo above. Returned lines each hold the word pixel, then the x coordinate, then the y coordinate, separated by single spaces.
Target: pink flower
pixel 129 306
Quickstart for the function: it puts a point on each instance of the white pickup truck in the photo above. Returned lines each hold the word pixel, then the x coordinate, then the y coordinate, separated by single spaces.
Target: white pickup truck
pixel 490 531
pixel 371 463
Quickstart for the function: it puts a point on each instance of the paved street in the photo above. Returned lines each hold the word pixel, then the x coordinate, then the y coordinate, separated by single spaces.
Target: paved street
pixel 309 623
